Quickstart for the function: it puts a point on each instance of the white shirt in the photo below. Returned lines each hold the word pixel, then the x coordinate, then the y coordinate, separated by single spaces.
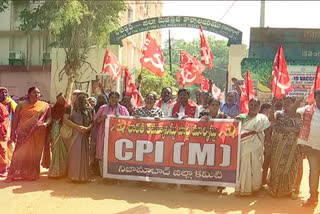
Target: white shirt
pixel 314 137
pixel 167 108
pixel 182 112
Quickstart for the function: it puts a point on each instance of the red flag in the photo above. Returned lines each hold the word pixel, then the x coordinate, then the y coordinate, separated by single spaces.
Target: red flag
pixel 281 84
pixel 111 65
pixel 190 69
pixel 204 86
pixel 131 89
pixel 247 93
pixel 216 92
pixel 152 58
pixel 206 53
pixel 315 86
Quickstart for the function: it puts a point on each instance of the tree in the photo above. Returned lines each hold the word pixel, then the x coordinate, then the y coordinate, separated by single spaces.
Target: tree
pixel 152 82
pixel 220 51
pixel 76 26
pixel 4 4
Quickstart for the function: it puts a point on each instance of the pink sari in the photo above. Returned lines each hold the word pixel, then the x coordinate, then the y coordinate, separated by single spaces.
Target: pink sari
pixel 30 141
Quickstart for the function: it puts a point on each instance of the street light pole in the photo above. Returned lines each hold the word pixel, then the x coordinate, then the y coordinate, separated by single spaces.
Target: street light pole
pixel 262 13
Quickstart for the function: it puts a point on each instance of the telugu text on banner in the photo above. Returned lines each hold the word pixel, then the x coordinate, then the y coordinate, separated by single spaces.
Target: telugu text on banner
pixel 172 151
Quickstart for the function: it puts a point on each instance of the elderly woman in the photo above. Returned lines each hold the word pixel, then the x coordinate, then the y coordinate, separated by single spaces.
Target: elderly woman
pixel 285 153
pixel 112 108
pixel 150 109
pixel 251 152
pixel 28 131
pixel 80 119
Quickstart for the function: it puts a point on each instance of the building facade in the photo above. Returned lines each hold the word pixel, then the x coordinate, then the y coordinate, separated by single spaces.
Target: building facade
pixel 26 60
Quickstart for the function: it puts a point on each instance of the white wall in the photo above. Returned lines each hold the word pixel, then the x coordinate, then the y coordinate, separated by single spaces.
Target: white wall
pixel 19 82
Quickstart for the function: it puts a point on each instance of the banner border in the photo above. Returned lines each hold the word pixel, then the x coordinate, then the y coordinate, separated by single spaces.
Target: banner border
pixel 168 180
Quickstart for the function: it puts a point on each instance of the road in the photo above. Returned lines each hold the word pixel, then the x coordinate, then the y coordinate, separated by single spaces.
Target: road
pixel 129 197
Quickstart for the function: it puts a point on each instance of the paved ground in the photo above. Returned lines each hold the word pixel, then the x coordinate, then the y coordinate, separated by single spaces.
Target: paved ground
pixel 61 196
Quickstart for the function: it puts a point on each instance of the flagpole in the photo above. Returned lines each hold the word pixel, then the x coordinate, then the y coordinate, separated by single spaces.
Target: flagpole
pixel 170 53
pixel 227 84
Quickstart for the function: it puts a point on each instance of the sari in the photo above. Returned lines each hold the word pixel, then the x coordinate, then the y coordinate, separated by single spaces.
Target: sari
pixel 251 153
pixel 30 141
pixel 58 163
pixel 78 145
pixel 100 128
pixel 286 156
pixel 4 150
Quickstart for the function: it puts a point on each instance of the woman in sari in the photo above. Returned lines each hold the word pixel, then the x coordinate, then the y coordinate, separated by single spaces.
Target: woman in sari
pixel 251 152
pixel 28 131
pixel 58 163
pixel 80 119
pixel 112 108
pixel 149 109
pixel 4 151
pixel 285 153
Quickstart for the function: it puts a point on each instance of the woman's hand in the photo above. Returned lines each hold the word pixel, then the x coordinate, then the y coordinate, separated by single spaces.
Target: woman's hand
pixel 42 125
pixel 204 118
pixel 157 118
pixel 82 129
pixel 136 116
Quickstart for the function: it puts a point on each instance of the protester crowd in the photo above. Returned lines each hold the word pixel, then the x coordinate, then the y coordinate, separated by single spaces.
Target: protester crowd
pixel 68 138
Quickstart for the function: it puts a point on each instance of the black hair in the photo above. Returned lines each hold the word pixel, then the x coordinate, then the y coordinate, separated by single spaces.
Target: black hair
pixel 152 93
pixel 255 99
pixel 265 106
pixel 316 92
pixel 292 98
pixel 213 99
pixel 167 87
pixel 31 89
pixel 60 94
pixel 114 93
pixel 184 90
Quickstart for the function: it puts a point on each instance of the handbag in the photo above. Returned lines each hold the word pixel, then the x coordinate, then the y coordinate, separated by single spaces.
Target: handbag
pixel 65 130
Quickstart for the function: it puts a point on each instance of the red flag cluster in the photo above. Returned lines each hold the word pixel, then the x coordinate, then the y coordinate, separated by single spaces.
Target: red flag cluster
pixel 281 84
pixel 247 93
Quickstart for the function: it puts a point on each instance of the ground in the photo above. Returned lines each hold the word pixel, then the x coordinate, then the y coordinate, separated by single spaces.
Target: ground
pixel 124 197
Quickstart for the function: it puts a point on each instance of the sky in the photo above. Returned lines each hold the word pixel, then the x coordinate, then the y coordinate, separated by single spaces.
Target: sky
pixel 243 15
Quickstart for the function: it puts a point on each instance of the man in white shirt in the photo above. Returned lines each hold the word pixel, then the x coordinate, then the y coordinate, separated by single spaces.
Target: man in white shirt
pixel 166 102
pixel 309 138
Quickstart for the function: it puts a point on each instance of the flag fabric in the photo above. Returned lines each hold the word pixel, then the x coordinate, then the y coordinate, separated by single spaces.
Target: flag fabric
pixel 316 86
pixel 247 93
pixel 152 58
pixel 216 92
pixel 111 65
pixel 131 90
pixel 190 69
pixel 204 86
pixel 281 84
pixel 206 53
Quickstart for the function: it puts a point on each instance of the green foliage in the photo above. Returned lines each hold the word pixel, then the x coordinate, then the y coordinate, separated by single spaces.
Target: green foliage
pixel 4 4
pixel 74 25
pixel 221 57
pixel 261 69
pixel 152 82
